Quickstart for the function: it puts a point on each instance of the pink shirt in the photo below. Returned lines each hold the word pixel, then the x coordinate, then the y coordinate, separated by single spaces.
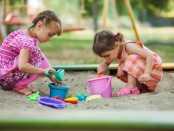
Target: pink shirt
pixel 9 53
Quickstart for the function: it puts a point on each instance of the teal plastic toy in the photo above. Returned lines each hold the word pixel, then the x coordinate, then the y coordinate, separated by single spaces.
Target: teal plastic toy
pixel 34 96
pixel 81 97
pixel 59 74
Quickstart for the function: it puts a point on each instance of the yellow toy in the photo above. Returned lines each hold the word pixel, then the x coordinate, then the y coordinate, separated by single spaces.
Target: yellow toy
pixel 72 100
pixel 89 98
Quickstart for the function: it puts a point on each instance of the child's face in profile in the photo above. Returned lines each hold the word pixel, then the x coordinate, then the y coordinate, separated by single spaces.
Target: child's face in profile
pixel 112 54
pixel 45 33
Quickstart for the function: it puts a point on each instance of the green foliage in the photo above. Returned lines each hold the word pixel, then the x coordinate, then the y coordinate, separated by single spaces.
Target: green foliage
pixel 143 7
pixel 153 7
pixel 13 2
pixel 164 50
pixel 89 6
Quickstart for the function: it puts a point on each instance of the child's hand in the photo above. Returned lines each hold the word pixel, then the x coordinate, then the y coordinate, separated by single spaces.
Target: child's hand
pixel 144 77
pixel 54 80
pixel 51 77
pixel 101 68
pixel 51 70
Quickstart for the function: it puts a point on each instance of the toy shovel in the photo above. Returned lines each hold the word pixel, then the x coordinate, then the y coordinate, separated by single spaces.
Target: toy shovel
pixel 59 74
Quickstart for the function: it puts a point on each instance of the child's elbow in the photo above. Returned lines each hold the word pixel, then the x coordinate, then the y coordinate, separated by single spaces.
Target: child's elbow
pixel 150 57
pixel 21 67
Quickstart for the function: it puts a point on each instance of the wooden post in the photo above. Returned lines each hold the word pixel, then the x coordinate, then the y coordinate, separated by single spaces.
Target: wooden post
pixel 128 6
pixel 3 9
pixel 1 38
pixel 23 9
pixel 95 12
pixel 105 13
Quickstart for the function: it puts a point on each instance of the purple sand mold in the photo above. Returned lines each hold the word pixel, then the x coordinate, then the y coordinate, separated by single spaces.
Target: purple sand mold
pixel 51 102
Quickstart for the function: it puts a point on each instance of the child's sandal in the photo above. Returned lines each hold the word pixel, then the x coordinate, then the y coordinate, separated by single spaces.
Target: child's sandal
pixel 127 91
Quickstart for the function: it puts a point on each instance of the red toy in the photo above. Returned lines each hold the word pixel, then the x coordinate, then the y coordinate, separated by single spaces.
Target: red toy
pixel 67 101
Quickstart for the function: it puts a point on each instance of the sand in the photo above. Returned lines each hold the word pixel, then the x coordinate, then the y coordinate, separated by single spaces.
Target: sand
pixel 161 100
pixel 149 111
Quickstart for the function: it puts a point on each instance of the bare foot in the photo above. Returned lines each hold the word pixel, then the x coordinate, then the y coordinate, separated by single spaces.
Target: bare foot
pixel 25 91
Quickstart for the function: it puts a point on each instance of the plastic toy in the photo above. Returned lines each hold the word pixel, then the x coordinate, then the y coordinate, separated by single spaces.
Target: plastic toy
pixel 81 97
pixel 60 90
pixel 68 100
pixel 100 86
pixel 58 98
pixel 34 96
pixel 99 75
pixel 51 102
pixel 72 100
pixel 89 98
pixel 59 75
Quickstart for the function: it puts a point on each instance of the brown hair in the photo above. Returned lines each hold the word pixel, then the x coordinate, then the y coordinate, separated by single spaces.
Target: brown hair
pixel 105 40
pixel 47 17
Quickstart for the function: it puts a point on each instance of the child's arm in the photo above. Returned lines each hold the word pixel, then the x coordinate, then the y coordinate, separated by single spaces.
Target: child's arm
pixel 135 49
pixel 107 63
pixel 24 66
pixel 102 67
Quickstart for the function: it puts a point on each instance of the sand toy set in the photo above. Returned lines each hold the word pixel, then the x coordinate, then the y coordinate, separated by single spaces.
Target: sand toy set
pixel 98 88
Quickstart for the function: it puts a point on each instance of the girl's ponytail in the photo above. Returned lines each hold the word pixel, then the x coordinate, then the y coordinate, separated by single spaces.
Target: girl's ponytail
pixel 118 37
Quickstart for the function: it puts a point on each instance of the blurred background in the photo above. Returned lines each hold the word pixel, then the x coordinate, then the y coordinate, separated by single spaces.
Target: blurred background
pixel 81 19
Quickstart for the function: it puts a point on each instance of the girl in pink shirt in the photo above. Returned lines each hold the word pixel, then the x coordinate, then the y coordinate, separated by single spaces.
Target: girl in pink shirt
pixel 21 60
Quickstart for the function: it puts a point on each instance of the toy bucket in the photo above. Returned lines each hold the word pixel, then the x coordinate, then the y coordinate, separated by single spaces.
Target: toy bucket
pixel 60 91
pixel 101 86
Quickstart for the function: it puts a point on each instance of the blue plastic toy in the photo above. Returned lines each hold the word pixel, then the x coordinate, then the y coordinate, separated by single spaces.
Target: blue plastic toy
pixel 59 75
pixel 60 90
pixel 81 97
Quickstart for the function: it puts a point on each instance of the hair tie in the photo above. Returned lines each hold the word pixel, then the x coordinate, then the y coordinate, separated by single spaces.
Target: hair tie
pixel 116 35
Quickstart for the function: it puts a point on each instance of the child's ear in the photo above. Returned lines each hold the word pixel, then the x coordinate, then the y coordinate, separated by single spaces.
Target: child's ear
pixel 39 24
pixel 116 44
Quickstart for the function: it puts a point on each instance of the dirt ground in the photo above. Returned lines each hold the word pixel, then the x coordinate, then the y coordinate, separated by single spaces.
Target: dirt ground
pixel 161 100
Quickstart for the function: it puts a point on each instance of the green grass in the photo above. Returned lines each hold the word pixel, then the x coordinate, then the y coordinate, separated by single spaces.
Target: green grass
pixel 61 44
pixel 76 47
pixel 166 51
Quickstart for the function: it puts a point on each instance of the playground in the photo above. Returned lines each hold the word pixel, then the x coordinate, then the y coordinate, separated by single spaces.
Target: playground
pixel 72 52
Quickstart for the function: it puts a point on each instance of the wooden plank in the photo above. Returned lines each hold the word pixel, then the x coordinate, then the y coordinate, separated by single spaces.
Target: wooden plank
pixel 168 65
pixel 165 66
pixel 77 67
pixel 73 29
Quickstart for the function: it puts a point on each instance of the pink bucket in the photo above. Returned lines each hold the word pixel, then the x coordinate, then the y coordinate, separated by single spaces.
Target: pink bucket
pixel 100 86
